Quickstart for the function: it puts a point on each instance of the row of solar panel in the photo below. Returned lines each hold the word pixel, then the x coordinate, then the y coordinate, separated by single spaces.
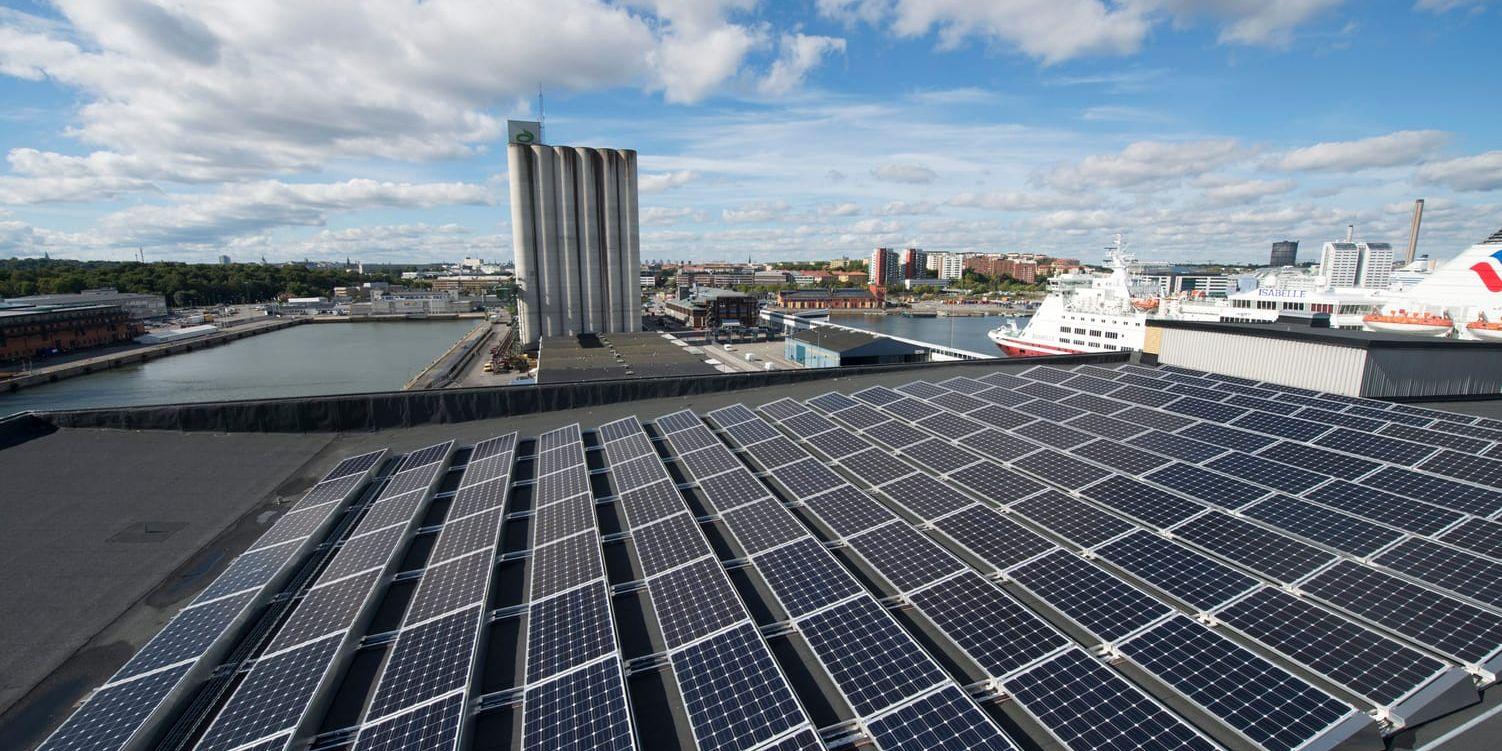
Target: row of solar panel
pixel 126 706
pixel 1112 610
pixel 433 658
pixel 1080 526
pixel 575 692
pixel 277 694
pixel 883 675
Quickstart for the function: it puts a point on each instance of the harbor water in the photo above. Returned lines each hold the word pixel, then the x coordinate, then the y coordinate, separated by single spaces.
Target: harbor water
pixel 309 360
pixel 962 332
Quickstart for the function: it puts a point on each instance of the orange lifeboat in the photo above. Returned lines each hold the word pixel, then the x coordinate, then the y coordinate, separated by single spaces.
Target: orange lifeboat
pixel 1481 328
pixel 1405 322
pixel 1146 303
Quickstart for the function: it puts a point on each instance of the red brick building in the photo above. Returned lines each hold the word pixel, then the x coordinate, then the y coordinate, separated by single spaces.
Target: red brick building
pixel 832 299
pixel 27 332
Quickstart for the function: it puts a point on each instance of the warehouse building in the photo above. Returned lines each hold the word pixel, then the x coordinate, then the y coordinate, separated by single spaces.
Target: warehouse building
pixel 31 331
pixel 829 347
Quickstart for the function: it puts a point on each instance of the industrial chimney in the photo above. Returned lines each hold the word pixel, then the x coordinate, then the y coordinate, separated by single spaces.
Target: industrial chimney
pixel 1413 232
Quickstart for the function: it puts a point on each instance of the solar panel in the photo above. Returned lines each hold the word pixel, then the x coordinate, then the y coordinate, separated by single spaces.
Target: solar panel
pixel 693 439
pixel 924 496
pixel 1359 659
pixel 1198 392
pixel 936 456
pixel 1476 535
pixel 1318 460
pixel 807 478
pixel 565 564
pixel 1437 438
pixel 1003 380
pixel 1267 472
pixel 751 431
pixel 1384 507
pixel 732 415
pixel 454 584
pixel 964 385
pixel 1338 419
pixel 734 693
pixel 996 483
pixel 958 402
pixel 322 611
pixel 998 445
pixel 708 461
pixel 1478 469
pixel 837 444
pixel 1437 490
pixel 805 740
pixel 559 485
pixel 1120 457
pixel 1262 701
pixel 188 635
pixel 1153 506
pixel 295 525
pixel 944 719
pixel 921 389
pixel 1100 603
pixel 1150 397
pixel 556 521
pixel 876 466
pixel 808 424
pixel 872 660
pixel 907 407
pixel 558 438
pixel 848 511
pixel 694 601
pixel 1044 391
pixel 1089 708
pixel 990 626
pixel 1384 448
pixel 1183 573
pixel 1230 438
pixel 1383 414
pixel 112 715
pixel 1463 573
pixel 1060 469
pixel 361 553
pixel 733 489
pixel 1205 410
pixel 1003 397
pixel 1105 426
pixel 649 503
pixel 993 537
pixel 805 577
pixel 428 660
pixel 860 416
pixel 390 512
pixel 1097 404
pixel 761 525
pixel 1071 519
pixel 1049 410
pixel 775 452
pixel 273 696
pixel 950 425
pixel 583 709
pixel 878 395
pixel 567 631
pixel 480 496
pixel 670 542
pixel 1264 405
pixel 1206 486
pixel 425 456
pixel 903 556
pixel 1047 374
pixel 895 434
pixel 1260 549
pixel 1091 384
pixel 1176 446
pixel 430 727
pixel 1318 524
pixel 783 408
pixel 1466 632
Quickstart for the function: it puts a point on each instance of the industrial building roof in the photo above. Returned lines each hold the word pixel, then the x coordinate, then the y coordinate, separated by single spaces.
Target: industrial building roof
pixel 998 555
pixel 598 357
pixel 1302 331
pixel 848 342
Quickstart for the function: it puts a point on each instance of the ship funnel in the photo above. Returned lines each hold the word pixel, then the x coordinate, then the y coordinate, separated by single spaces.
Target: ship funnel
pixel 1413 231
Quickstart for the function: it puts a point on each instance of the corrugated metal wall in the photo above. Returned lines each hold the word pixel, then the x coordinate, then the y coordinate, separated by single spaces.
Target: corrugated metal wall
pixel 1286 362
pixel 1433 372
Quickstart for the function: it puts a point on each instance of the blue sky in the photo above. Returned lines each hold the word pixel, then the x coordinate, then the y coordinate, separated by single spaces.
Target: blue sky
pixel 1203 129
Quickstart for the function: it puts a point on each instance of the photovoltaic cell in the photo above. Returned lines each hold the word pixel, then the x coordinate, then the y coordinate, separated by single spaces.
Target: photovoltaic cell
pixel 895 434
pixel 1090 708
pixel 649 503
pixel 783 408
pixel 1266 472
pixel 361 553
pixel 944 719
pixel 583 709
pixel 761 525
pixel 1205 410
pixel 1384 507
pixel 994 629
pixel 250 570
pixel 1437 490
pixel 454 584
pixel 710 460
pixel 1463 573
pixel 1437 437
pixel 921 389
pixel 567 631
pixel 1336 419
pixel 1108 427
pixel 1097 404
pixel 1206 486
pixel 1003 397
pixel 1283 427
pixel 860 416
pixel 1260 549
pixel 1315 523
pixel 751 431
pixel 909 408
pixel 1153 506
pixel 775 452
pixel 873 661
pixel 734 693
pixel 1318 460
pixel 878 395
pixel 428 660
pixel 950 425
pixel 694 601
pixel 1264 702
pixel 1004 380
pixel 1466 632
pixel 1072 519
pixel 958 402
pixel 1183 573
pixel 1045 392
pixel 1138 394
pixel 993 537
pixel 1365 662
pixel 556 521
pixel 1099 602
pixel 671 542
pixel 832 401
pixel 808 424
pixel 805 577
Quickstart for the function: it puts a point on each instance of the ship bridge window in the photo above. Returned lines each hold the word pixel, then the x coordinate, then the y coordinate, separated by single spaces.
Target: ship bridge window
pixel 1094 332
pixel 1322 307
pixel 1293 306
pixel 1112 335
pixel 1241 303
pixel 1267 304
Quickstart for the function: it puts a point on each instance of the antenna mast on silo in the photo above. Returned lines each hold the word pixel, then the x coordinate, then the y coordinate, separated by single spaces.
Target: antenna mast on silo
pixel 542 118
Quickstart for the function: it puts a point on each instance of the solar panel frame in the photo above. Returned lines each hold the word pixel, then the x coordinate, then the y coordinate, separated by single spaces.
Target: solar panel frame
pixel 1070 518
pixel 989 626
pixel 946 718
pixel 1189 576
pixel 735 694
pixel 904 557
pixel 871 659
pixel 1270 554
pixel 803 577
pixel 1466 574
pixel 1097 601
pixel 1323 526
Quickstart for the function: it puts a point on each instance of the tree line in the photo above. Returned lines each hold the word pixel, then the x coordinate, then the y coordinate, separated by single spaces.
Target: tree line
pixel 183 284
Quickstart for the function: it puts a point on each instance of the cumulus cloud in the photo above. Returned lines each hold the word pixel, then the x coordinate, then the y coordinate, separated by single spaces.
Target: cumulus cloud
pixel 760 211
pixel 800 53
pixel 1014 200
pixel 1248 21
pixel 659 215
pixel 1444 6
pixel 911 174
pixel 904 208
pixel 656 183
pixel 1398 149
pixel 1145 164
pixel 1468 173
pixel 845 208
pixel 1223 192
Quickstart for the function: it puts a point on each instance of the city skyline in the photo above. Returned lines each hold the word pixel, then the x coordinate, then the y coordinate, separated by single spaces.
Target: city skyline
pixel 1204 130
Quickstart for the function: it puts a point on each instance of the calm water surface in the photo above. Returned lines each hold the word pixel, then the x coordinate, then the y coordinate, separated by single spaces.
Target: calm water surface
pixel 308 360
pixel 964 333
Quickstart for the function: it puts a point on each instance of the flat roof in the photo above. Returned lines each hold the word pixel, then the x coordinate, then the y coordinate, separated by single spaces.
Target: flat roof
pixel 1333 336
pixel 844 340
pixel 601 357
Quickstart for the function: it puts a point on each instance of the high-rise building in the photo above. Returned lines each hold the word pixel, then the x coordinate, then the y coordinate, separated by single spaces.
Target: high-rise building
pixel 575 233
pixel 885 267
pixel 1285 253
pixel 950 265
pixel 1356 264
pixel 224 260
pixel 914 263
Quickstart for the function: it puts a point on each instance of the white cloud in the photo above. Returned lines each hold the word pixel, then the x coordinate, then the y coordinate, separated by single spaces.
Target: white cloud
pixel 1248 21
pixel 1398 149
pixel 1444 6
pixel 838 209
pixel 1145 164
pixel 910 174
pixel 904 208
pixel 656 183
pixel 800 53
pixel 1123 114
pixel 659 216
pixel 1222 192
pixel 1468 173
pixel 761 211
pixel 1012 200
